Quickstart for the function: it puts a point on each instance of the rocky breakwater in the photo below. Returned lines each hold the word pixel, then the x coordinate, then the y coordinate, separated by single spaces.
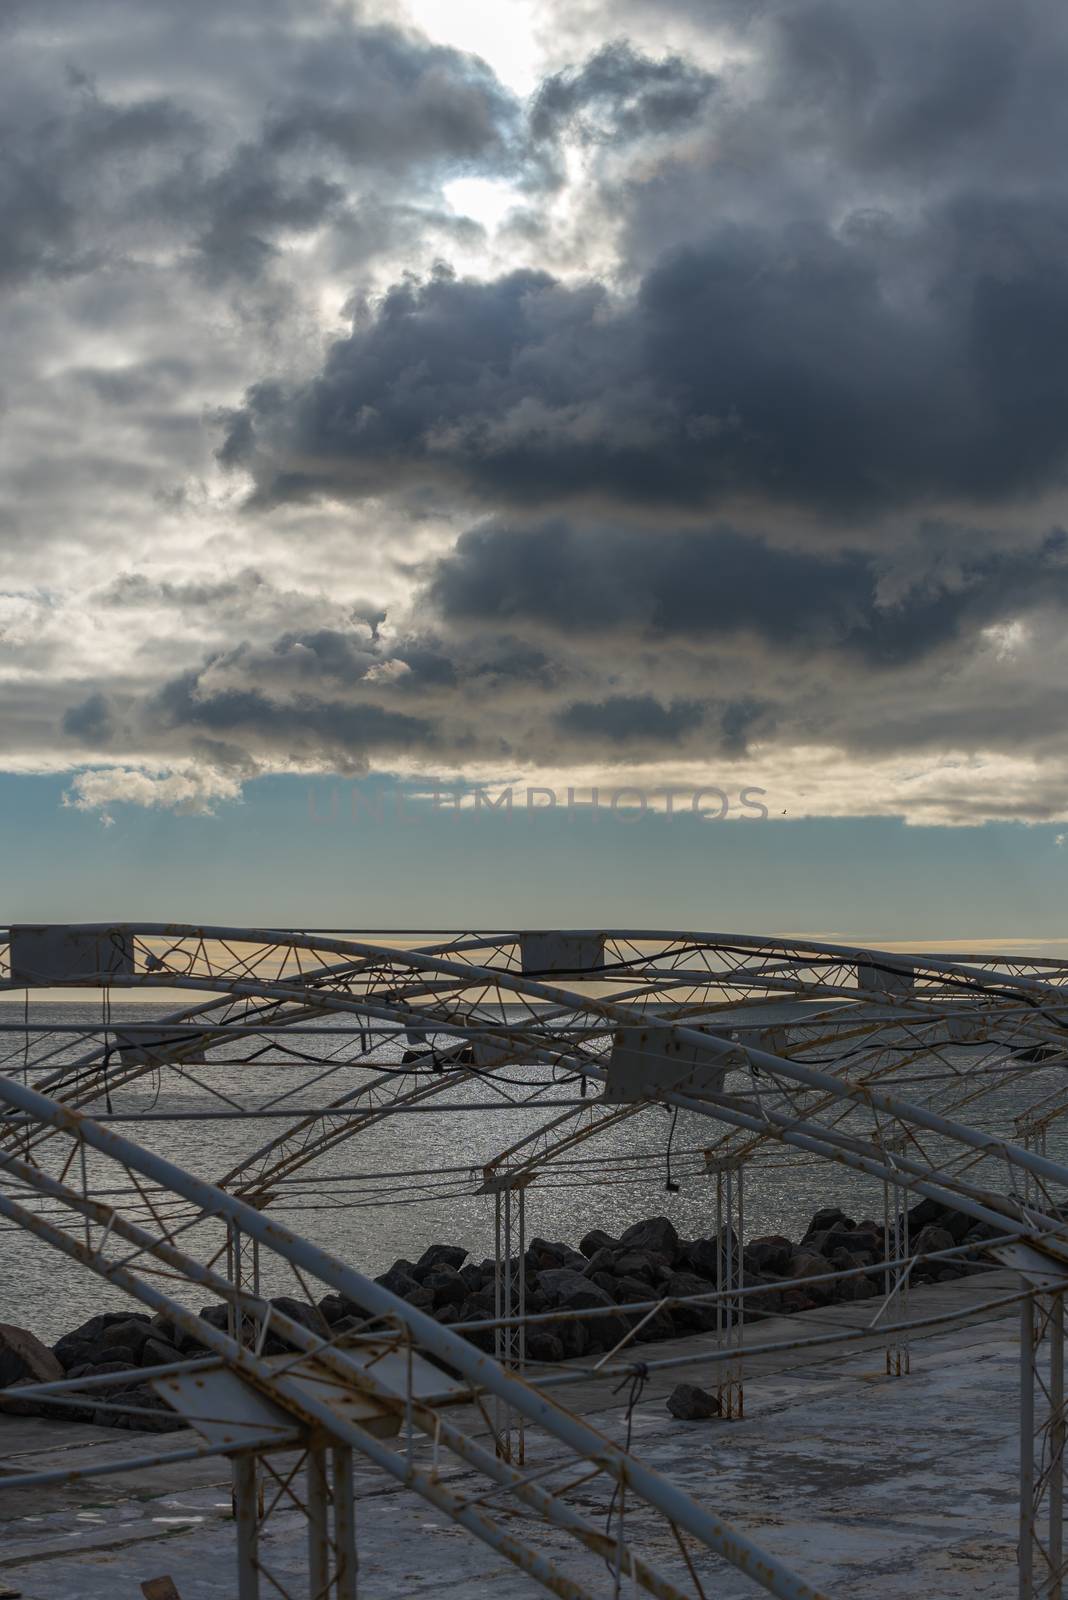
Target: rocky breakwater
pixel 586 1292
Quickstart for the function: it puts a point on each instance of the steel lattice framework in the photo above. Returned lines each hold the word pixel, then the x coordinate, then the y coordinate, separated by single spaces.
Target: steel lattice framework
pixel 883 1064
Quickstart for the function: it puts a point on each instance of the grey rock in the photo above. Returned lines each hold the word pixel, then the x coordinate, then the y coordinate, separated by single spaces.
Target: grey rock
pixel 446 1286
pixel 635 1264
pixel 157 1353
pixel 596 1240
pixel 602 1260
pixel 629 1290
pixel 400 1279
pixel 24 1357
pixel 691 1404
pixel 71 1347
pixel 543 1346
pixel 661 1325
pixel 682 1285
pixel 933 1237
pixel 447 1255
pixel 655 1234
pixel 829 1217
pixel 838 1239
pixel 563 1286
pixel 700 1256
pixel 771 1253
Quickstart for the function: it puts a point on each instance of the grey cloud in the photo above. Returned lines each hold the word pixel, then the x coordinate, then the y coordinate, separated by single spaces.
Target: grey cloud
pixel 306 726
pixel 630 719
pixel 619 94
pixel 387 100
pixel 243 151
pixel 849 291
pixel 776 365
pixel 720 582
pixel 91 721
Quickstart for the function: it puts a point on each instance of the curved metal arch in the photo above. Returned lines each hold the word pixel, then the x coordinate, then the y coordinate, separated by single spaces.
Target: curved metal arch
pixel 439 968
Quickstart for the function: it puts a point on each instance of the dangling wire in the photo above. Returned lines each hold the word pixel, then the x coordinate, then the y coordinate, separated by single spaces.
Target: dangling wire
pixel 637 1377
pixel 669 1184
pixel 105 1017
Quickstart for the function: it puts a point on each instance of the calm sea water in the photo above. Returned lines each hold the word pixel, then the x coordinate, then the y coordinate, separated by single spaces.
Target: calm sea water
pixel 411 1180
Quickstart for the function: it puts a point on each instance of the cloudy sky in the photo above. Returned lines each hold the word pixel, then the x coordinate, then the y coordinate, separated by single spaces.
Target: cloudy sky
pixel 620 393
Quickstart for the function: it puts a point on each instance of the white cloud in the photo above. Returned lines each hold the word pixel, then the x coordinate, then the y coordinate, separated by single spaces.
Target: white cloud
pixel 191 790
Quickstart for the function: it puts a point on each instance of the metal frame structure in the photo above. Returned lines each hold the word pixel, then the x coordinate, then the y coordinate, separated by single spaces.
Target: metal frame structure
pixel 871 1064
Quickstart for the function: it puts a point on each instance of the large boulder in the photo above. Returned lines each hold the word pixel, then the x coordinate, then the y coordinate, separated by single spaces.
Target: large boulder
pixel 639 1264
pixel 923 1213
pixel 806 1264
pixel 333 1307
pixel 82 1343
pixel 770 1254
pixel 438 1255
pixel 481 1338
pixel 838 1239
pixel 156 1353
pixel 447 1287
pixel 657 1235
pixel 855 1289
pixel 829 1217
pixel 563 1286
pixel 602 1260
pixel 683 1285
pixel 400 1279
pixel 596 1240
pixel 567 1290
pixel 544 1346
pixel 700 1256
pixel 690 1404
pixel 299 1311
pixel 764 1303
pixel 627 1291
pixel 543 1254
pixel 23 1358
pixel 932 1238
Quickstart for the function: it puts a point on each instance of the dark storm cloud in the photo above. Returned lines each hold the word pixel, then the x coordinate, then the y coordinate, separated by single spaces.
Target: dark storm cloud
pixel 619 94
pixel 59 164
pixel 851 296
pixel 717 583
pixel 767 476
pixel 626 719
pixel 387 100
pixel 91 721
pixel 244 152
pixel 305 725
pixel 769 364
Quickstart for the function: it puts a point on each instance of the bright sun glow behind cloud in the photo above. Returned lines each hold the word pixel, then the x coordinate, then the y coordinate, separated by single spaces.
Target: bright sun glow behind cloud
pixel 484 200
pixel 501 33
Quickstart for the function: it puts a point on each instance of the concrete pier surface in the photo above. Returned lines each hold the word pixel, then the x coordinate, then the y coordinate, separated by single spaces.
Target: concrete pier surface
pixel 865 1484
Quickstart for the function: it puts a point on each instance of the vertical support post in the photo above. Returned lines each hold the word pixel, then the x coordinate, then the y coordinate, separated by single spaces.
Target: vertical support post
pixel 898 1349
pixel 1025 1544
pixel 1040 1553
pixel 730 1224
pixel 344 1523
pixel 317 1501
pixel 521 1331
pixel 1056 1448
pixel 245 1514
pixel 510 1301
